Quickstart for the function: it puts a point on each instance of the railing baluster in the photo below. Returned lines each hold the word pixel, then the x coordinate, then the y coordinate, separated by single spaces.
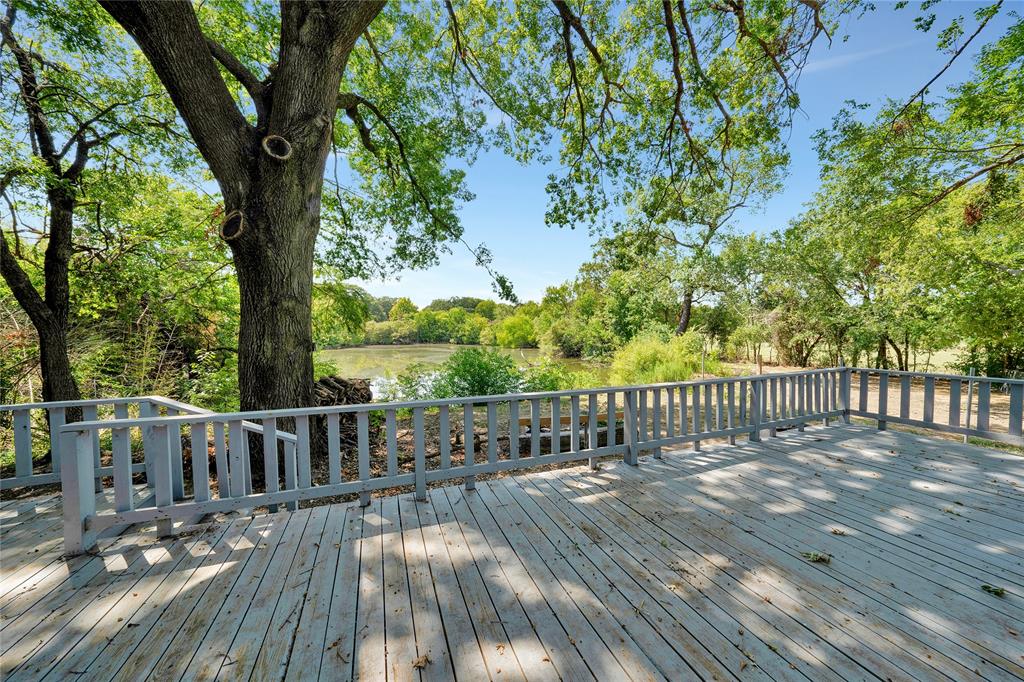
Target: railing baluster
pixel 200 463
pixel 773 406
pixel 391 436
pixel 684 426
pixel 984 398
pixel 905 396
pixel 514 429
pixel 177 465
pixel 642 406
pixel 57 420
pixel 708 409
pixel 270 470
pixel 289 473
pixel 556 425
pixel 89 414
pixel 656 429
pixel 445 429
pixel 236 452
pixel 574 425
pixel 419 450
pixel 1016 409
pixel 334 447
pixel 221 455
pixel 670 413
pixel 162 475
pixel 630 427
pixel 883 399
pixel 862 388
pixel 22 443
pixel 363 447
pixel 929 399
pixel 492 432
pixel 696 416
pixel 613 420
pixel 756 387
pixel 535 427
pixel 720 401
pixel 121 451
pixel 592 412
pixel 302 451
pixel 467 443
pixel 955 386
pixel 731 399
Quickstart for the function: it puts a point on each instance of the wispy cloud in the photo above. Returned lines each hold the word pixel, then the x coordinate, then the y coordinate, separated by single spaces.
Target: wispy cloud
pixel 843 60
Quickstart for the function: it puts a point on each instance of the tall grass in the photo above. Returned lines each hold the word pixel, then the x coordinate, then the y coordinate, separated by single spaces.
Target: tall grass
pixel 653 358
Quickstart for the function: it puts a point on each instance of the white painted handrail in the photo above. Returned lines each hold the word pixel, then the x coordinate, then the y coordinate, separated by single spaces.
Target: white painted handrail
pixel 496 433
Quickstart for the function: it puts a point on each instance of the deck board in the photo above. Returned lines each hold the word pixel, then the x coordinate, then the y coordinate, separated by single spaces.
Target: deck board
pixel 686 567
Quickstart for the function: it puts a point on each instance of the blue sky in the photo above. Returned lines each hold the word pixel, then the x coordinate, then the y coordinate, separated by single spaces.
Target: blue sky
pixel 884 56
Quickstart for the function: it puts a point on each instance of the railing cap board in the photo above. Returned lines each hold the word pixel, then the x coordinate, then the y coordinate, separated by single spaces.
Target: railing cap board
pixel 926 375
pixel 95 402
pixel 256 416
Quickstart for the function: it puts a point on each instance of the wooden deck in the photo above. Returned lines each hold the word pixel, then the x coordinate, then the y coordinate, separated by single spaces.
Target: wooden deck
pixel 688 567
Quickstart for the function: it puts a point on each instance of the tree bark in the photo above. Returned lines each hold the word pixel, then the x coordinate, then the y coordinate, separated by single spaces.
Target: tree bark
pixel 685 313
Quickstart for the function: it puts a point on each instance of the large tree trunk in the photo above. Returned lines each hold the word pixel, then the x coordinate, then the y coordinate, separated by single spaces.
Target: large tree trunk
pixel 274 262
pixel 685 313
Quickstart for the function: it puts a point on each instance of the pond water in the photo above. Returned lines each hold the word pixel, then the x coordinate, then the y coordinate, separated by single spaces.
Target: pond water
pixel 381 362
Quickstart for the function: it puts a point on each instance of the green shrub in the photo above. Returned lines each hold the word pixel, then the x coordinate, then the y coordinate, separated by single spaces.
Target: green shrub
pixel 516 332
pixel 476 371
pixel 652 358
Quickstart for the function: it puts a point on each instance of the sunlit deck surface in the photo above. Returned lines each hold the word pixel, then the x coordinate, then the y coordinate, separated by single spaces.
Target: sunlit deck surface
pixel 688 567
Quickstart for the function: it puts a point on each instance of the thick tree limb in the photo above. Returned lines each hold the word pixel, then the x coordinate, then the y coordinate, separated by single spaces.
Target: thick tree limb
pixel 692 43
pixel 244 76
pixel 172 40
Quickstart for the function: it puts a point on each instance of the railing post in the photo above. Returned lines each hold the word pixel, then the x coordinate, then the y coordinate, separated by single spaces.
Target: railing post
pixel 78 496
pixel 162 477
pixel 883 399
pixel 755 410
pixel 629 431
pixel 146 410
pixel 844 390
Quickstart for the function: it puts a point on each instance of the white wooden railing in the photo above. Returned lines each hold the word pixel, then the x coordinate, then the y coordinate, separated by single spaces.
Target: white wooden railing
pixel 950 403
pixel 619 421
pixel 468 437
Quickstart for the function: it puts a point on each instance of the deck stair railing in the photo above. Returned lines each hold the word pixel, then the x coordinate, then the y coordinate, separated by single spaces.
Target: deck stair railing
pixel 378 446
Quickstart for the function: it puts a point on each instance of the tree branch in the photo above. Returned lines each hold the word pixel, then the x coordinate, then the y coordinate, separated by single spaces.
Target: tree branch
pixel 172 40
pixel 244 76
pixel 959 51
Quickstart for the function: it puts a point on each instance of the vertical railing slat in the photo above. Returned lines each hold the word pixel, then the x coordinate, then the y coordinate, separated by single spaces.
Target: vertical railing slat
pixel 302 451
pixel 90 414
pixel 200 462
pixel 289 473
pixel 236 454
pixel 419 451
pixel 670 412
pixel 708 409
pixel 162 475
pixel 905 396
pixel 1016 409
pixel 467 443
pixel 574 423
pixel 955 387
pixel 556 425
pixel 984 399
pixel 221 456
pixel 363 449
pixel 445 434
pixel 720 401
pixel 592 413
pixel 629 431
pixel 121 451
pixel 57 420
pixel 535 427
pixel 177 465
pixel 492 432
pixel 929 399
pixel 334 447
pixel 656 429
pixel 22 443
pixel 391 436
pixel 513 429
pixel 270 468
pixel 883 399
pixel 862 389
pixel 731 414
pixel 613 425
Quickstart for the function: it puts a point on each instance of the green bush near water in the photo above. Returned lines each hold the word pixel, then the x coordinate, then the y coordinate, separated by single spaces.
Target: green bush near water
pixel 652 358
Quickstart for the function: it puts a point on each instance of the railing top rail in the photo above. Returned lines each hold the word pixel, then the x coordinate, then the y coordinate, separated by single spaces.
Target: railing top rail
pixel 934 375
pixel 93 402
pixel 256 416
